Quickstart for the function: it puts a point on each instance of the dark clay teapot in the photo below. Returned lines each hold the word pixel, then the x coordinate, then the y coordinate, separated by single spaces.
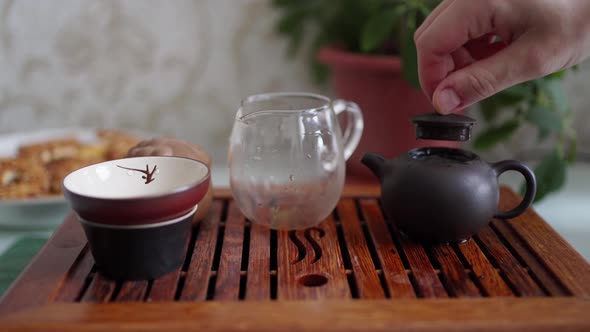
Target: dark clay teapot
pixel 437 194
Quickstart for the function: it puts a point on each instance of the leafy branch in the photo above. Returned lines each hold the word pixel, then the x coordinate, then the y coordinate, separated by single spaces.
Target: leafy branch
pixel 541 104
pixel 386 27
pixel 368 26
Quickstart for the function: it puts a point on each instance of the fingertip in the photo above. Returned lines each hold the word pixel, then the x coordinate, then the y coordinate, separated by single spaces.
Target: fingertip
pixel 143 151
pixel 432 70
pixel 133 152
pixel 164 151
pixel 446 100
pixel 146 142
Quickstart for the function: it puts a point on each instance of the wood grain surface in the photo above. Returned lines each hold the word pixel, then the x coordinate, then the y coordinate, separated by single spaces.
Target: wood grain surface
pixel 394 272
pixel 501 314
pixel 353 272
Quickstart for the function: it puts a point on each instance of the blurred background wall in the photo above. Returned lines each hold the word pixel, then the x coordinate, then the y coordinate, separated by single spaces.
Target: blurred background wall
pixel 176 67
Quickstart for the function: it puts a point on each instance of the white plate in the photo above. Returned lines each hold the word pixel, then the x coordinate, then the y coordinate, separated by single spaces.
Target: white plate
pixel 13 212
pixel 50 200
pixel 32 217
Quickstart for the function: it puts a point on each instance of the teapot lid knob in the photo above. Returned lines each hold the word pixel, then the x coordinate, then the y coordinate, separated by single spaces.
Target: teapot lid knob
pixel 452 127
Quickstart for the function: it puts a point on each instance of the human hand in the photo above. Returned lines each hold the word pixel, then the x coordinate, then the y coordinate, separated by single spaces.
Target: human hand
pixel 170 146
pixel 458 64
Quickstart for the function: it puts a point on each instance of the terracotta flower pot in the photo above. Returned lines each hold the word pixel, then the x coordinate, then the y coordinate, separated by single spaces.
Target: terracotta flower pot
pixel 387 101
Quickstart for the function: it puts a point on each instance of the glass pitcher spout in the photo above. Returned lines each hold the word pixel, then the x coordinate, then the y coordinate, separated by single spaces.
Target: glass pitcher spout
pixel 281 104
pixel 249 118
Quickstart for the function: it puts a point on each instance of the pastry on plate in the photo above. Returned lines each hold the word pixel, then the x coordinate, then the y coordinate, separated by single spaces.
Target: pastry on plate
pixel 49 151
pixel 59 169
pixel 117 142
pixel 22 178
pixel 38 169
pixel 92 153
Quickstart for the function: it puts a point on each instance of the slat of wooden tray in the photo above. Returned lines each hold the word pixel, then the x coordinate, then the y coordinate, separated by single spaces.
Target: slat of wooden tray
pixel 502 314
pixel 355 254
pixel 389 260
pixel 199 273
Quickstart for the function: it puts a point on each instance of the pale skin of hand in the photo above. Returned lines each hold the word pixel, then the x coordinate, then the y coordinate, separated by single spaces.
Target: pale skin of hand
pixel 170 146
pixel 459 66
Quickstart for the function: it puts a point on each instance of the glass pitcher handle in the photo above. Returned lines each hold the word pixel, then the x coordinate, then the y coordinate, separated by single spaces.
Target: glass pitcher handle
pixel 354 124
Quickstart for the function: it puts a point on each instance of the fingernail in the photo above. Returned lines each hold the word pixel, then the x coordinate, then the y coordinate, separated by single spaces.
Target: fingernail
pixel 446 101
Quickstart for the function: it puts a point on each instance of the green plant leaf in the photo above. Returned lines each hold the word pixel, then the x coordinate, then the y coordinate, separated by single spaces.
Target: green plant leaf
pixel 409 54
pixel 517 92
pixel 432 3
pixel 292 24
pixel 379 28
pixel 371 26
pixel 295 42
pixel 423 9
pixel 494 134
pixel 550 174
pixel 510 97
pixel 283 3
pixel 572 151
pixel 558 74
pixel 290 20
pixel 542 134
pixel 288 4
pixel 513 95
pixel 544 118
pixel 489 109
pixel 320 72
pixel 553 89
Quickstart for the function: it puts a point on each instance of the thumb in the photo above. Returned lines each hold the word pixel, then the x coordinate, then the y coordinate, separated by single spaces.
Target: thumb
pixel 518 62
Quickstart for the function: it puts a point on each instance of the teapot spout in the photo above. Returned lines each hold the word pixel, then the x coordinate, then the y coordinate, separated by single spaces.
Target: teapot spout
pixel 375 163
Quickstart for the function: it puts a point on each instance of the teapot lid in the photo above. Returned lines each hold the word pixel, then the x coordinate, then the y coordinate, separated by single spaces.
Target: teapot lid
pixel 451 127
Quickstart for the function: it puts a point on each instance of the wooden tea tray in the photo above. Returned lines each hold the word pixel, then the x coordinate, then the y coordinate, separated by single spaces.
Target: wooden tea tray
pixel 352 273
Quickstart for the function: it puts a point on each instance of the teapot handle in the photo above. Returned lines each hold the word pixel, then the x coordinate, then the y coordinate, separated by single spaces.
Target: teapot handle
pixel 531 186
pixel 354 124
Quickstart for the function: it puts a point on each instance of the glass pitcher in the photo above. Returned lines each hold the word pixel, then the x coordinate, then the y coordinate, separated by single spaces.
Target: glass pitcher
pixel 287 157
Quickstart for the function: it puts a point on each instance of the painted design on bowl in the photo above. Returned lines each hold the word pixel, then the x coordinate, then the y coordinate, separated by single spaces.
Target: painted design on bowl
pixel 113 193
pixel 149 175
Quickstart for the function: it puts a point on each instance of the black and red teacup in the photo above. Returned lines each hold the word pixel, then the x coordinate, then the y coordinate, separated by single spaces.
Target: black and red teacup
pixel 137 212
